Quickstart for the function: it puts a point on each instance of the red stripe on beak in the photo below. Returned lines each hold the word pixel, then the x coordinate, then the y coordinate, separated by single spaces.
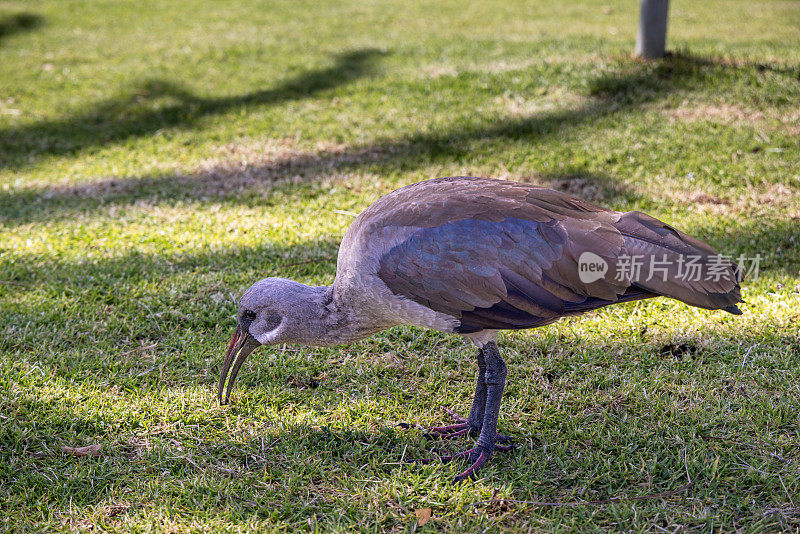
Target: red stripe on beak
pixel 233 348
pixel 234 339
pixel 242 344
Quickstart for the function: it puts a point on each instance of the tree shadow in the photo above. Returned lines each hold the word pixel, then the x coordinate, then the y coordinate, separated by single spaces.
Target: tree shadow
pixel 202 286
pixel 19 23
pixel 793 71
pixel 32 271
pixel 159 104
pixel 622 89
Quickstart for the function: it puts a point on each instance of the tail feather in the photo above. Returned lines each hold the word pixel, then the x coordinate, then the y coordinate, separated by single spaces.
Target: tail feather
pixel 733 309
pixel 677 265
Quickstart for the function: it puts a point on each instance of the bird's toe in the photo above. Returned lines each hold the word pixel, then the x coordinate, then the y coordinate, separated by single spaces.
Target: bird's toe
pixel 476 457
pixel 449 431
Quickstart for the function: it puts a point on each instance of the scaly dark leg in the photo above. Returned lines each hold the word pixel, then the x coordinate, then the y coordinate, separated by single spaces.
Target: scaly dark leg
pixel 471 424
pixel 494 380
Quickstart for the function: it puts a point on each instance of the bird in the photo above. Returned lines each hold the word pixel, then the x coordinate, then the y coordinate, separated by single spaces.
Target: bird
pixel 474 256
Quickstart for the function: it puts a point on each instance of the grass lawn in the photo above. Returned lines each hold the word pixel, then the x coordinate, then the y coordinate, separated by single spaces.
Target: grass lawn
pixel 156 158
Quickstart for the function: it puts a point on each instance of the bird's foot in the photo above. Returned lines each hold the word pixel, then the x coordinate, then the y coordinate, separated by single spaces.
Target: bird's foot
pixel 476 457
pixel 449 431
pixel 460 428
pixel 441 432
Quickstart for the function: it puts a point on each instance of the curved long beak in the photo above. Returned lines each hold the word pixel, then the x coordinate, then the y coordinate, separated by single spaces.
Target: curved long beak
pixel 240 348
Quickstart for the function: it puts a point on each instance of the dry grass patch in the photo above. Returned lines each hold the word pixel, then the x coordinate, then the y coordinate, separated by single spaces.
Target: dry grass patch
pixel 772 119
pixel 775 196
pixel 547 100
pixel 238 169
pixel 722 113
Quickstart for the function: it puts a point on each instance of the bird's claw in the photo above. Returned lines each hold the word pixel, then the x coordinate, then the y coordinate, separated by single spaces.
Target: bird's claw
pixel 440 432
pixel 476 456
pixel 447 432
pixel 460 428
pixel 456 417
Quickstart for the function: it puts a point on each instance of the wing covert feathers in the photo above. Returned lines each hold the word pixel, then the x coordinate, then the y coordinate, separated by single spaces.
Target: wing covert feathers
pixel 505 255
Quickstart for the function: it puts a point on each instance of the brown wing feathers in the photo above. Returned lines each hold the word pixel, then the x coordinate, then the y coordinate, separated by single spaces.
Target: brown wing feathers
pixel 689 270
pixel 505 255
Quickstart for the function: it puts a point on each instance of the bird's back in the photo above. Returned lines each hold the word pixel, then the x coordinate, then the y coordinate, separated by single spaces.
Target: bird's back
pixel 496 254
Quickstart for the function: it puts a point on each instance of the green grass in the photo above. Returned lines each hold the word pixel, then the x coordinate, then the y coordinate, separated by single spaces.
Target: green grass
pixel 156 158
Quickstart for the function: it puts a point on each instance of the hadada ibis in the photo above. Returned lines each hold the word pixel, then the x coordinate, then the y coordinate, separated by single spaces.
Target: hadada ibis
pixel 474 256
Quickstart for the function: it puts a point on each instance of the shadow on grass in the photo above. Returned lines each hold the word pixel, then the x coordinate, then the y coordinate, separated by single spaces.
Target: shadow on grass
pixel 204 466
pixel 147 298
pixel 267 259
pixel 159 104
pixel 19 23
pixel 137 298
pixel 623 89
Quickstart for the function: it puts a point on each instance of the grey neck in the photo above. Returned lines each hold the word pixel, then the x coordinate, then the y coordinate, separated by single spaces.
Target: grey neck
pixel 334 323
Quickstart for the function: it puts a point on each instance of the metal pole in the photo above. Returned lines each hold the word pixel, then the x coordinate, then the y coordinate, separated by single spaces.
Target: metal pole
pixel 652 39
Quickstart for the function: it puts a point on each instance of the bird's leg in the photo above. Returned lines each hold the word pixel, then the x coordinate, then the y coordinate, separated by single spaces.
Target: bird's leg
pixel 495 380
pixel 472 424
pixel 475 418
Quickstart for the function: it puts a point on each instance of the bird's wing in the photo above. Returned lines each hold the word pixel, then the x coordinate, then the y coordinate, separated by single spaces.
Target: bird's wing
pixel 506 255
pixel 512 273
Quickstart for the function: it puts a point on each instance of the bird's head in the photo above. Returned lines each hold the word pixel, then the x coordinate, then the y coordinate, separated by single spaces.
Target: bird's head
pixel 272 311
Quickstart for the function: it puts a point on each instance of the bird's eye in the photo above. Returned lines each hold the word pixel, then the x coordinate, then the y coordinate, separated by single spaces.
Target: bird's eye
pixel 250 315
